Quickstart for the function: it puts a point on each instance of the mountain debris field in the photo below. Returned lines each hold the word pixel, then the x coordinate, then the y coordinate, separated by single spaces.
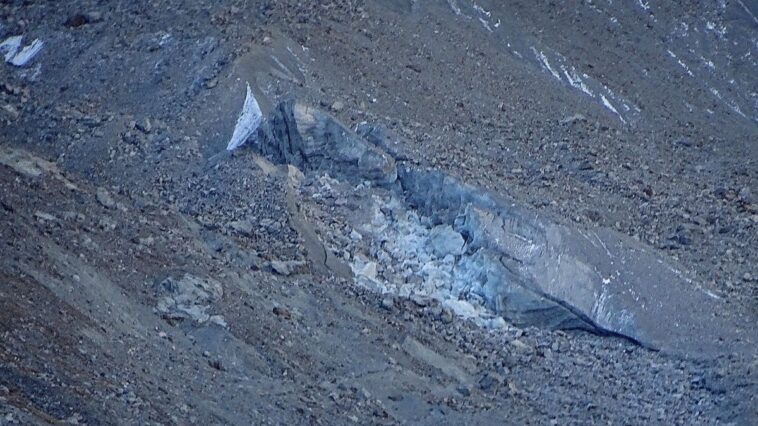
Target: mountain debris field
pixel 384 212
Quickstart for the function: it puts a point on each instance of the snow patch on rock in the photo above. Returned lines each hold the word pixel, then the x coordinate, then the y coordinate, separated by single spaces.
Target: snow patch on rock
pixel 248 122
pixel 15 55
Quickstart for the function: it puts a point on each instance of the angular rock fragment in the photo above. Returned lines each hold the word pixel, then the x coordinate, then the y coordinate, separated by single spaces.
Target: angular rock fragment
pixel 286 268
pixel 189 298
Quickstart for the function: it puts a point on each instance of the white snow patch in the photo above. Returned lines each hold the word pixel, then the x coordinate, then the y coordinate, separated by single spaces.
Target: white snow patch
pixel 718 29
pixel 482 11
pixel 27 53
pixel 576 81
pixel 248 122
pixel 546 64
pixel 485 21
pixel 730 103
pixel 454 6
pixel 12 55
pixel 10 46
pixel 708 63
pixel 485 24
pixel 682 64
pixel 610 106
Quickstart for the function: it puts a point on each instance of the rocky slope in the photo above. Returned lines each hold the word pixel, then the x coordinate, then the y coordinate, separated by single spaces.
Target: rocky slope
pixel 151 277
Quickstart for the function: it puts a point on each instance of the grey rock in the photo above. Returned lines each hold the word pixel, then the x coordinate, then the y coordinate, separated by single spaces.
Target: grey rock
pixel 242 227
pixel 282 312
pixel 444 240
pixel 286 268
pixel 464 390
pixel 93 16
pixel 189 298
pixel 420 300
pixel 573 119
pixel 143 125
pixel 388 303
pixel 490 381
pixel 104 198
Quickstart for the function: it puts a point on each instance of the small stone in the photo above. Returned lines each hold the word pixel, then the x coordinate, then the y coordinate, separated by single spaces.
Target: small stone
pixel 93 16
pixel 490 381
pixel 369 271
pixel 420 300
pixel 573 119
pixel 338 106
pixel 104 198
pixel 747 276
pixel 355 235
pixel 283 313
pixel 107 224
pixel 464 390
pixel 45 216
pixel 447 315
pixel 242 227
pixel 286 268
pixel 11 110
pixel 218 320
pixel 388 303
pixel 364 394
pixel 216 363
pixel 144 125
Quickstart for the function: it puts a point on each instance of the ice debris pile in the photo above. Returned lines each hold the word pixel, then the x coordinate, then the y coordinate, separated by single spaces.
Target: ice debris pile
pixel 409 256
pixel 421 232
